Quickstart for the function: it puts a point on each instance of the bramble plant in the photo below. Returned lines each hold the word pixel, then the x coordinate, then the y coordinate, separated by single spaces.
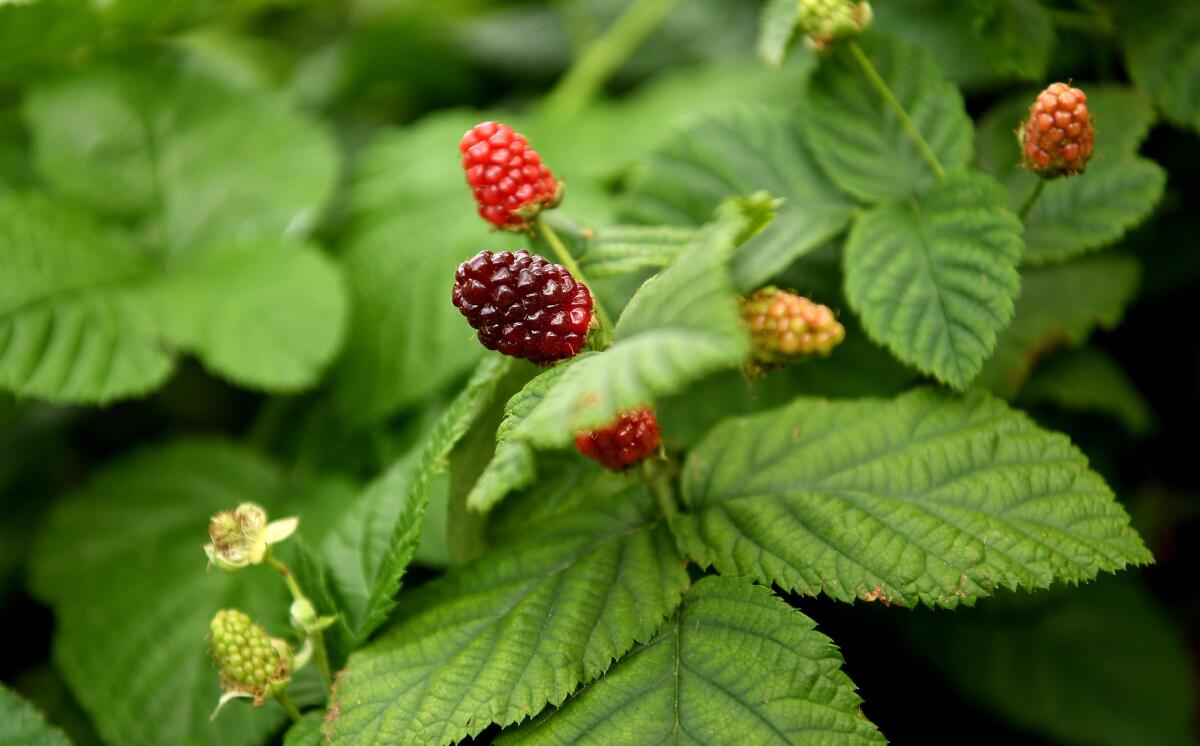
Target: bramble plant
pixel 572 441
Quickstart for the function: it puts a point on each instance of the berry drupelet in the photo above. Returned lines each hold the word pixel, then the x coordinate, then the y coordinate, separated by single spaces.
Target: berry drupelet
pixel 523 305
pixel 509 181
pixel 1057 138
pixel 631 438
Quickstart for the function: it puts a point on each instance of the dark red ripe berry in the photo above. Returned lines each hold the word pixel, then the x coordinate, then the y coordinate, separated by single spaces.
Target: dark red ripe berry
pixel 1056 139
pixel 632 438
pixel 523 305
pixel 507 177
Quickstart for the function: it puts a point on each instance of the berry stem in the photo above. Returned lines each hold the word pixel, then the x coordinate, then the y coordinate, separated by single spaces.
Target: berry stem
pixel 320 654
pixel 575 89
pixel 891 100
pixel 659 482
pixel 1032 198
pixel 288 706
pixel 564 257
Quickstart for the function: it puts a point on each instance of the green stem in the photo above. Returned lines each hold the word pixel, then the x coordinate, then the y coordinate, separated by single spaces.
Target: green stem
pixel 605 55
pixel 288 706
pixel 568 261
pixel 288 578
pixel 1032 198
pixel 321 656
pixel 318 638
pixel 659 482
pixel 891 100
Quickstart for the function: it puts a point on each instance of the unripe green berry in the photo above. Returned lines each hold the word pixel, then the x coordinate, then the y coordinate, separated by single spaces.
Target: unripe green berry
pixel 252 662
pixel 826 21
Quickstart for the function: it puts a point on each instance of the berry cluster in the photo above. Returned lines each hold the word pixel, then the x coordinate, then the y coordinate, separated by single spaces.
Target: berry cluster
pixel 509 181
pixel 1057 138
pixel 825 21
pixel 523 305
pixel 784 326
pixel 633 437
pixel 251 661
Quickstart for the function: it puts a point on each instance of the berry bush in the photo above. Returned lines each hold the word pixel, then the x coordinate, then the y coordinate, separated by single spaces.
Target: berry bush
pixel 609 372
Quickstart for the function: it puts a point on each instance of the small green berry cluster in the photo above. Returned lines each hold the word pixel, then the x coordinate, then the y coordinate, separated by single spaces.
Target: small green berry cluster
pixel 251 661
pixel 826 21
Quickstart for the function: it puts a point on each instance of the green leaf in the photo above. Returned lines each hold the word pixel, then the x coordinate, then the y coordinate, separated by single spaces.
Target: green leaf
pixel 1088 380
pixel 1163 58
pixel 43 35
pixel 1033 660
pixel 499 639
pixel 120 563
pixel 371 546
pixel 84 316
pixel 858 138
pixel 74 325
pixel 307 732
pixel 935 279
pixel 514 464
pixel 734 665
pixel 928 498
pixel 945 30
pixel 741 151
pixel 1092 210
pixel 1016 35
pixel 624 249
pixel 21 725
pixel 680 326
pixel 415 222
pixel 206 163
pixel 263 314
pixel 777 26
pixel 1099 288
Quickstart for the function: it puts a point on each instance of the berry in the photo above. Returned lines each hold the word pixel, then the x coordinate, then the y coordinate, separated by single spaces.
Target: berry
pixel 523 305
pixel 784 326
pixel 509 181
pixel 252 663
pixel 826 21
pixel 633 437
pixel 1057 138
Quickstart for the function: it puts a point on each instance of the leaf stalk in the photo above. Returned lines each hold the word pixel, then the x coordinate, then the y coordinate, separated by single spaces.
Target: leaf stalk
pixel 898 108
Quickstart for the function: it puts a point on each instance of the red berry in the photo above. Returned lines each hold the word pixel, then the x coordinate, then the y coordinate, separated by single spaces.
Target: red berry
pixel 1057 138
pixel 633 437
pixel 507 177
pixel 523 305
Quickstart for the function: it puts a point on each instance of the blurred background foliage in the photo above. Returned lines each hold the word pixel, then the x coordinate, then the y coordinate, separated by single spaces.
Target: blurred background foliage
pixel 274 186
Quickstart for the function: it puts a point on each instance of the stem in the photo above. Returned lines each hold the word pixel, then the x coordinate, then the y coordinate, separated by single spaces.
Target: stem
pixel 905 120
pixel 318 638
pixel 1032 198
pixel 605 55
pixel 660 484
pixel 568 261
pixel 322 659
pixel 288 706
pixel 288 578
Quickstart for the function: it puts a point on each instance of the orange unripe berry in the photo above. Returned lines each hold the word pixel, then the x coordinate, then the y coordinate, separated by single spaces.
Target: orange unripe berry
pixel 1056 139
